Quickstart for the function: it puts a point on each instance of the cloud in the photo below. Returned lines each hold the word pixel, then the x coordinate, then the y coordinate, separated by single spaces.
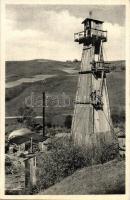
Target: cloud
pixel 49 34
pixel 115 46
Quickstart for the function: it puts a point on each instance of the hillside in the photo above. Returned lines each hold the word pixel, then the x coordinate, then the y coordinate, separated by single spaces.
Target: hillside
pixel 63 83
pixel 19 69
pixel 98 179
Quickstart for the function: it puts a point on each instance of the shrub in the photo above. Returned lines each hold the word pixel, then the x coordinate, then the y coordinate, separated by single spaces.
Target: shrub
pixel 49 125
pixel 11 166
pixel 61 161
pixel 75 60
pixel 119 117
pixel 64 158
pixel 68 121
pixel 110 152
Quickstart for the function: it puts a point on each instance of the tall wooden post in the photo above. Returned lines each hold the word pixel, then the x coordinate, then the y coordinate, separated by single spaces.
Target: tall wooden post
pixel 43 118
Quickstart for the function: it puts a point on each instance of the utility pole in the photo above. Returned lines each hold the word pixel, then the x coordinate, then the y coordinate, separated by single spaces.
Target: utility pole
pixel 43 113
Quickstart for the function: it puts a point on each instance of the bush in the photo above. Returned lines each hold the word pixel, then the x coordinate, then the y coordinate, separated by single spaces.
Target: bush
pixel 61 161
pixel 64 158
pixel 68 121
pixel 49 125
pixel 75 60
pixel 110 152
pixel 118 118
pixel 11 166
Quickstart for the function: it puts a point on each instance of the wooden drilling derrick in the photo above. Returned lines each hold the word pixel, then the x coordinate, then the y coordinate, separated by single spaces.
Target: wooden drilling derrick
pixel 91 122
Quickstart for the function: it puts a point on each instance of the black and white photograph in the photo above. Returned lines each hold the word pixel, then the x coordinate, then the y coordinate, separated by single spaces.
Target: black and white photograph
pixel 65 99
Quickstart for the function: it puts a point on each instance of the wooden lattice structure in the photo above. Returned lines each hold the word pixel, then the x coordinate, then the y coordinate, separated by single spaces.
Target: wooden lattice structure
pixel 91 122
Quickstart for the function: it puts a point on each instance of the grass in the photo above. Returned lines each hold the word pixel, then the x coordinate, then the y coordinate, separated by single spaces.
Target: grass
pixel 116 92
pixel 22 69
pixel 116 88
pixel 108 178
pixel 55 86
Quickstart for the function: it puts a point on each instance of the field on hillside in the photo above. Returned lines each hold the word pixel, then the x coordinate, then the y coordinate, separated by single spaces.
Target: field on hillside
pixel 62 85
pixel 19 69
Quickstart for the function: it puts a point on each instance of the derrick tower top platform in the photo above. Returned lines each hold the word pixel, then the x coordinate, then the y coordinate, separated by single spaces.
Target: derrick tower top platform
pixel 93 33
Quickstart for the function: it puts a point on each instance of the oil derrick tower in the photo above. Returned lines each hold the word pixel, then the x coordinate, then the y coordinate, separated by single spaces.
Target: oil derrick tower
pixel 91 122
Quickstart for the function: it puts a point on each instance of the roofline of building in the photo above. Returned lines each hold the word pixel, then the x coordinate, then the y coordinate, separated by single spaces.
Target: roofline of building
pixel 90 19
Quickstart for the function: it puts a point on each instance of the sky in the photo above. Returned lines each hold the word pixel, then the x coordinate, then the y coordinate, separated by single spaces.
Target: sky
pixel 47 31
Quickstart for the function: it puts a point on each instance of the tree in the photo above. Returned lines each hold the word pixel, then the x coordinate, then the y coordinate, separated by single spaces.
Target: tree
pixel 49 125
pixel 68 121
pixel 75 60
pixel 27 117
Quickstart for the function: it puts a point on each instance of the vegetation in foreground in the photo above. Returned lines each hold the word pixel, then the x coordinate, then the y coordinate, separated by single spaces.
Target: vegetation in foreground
pixel 107 178
pixel 63 158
